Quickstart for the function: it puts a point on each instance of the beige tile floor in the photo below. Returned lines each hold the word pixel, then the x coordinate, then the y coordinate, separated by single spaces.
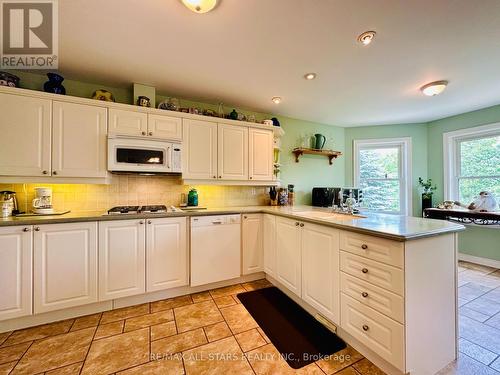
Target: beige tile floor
pixel 203 333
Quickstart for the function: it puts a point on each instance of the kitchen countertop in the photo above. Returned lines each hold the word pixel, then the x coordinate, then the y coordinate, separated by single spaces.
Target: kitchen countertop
pixel 395 227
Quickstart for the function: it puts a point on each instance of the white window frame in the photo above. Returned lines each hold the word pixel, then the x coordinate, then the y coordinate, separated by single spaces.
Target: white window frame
pixel 451 154
pixel 404 144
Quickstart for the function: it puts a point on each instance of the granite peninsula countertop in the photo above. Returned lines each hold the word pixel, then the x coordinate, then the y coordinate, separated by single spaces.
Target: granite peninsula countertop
pixel 395 227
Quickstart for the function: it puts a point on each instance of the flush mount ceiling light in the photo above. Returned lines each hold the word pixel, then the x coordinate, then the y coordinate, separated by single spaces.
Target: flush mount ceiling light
pixel 276 99
pixel 200 6
pixel 367 37
pixel 434 88
pixel 310 76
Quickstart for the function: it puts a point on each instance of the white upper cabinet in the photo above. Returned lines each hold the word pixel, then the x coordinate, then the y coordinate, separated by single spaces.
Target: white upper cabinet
pixel 122 264
pixel 288 254
pixel 165 127
pixel 269 244
pixel 16 251
pixel 79 140
pixel 199 158
pixel 166 253
pixel 251 244
pixel 320 269
pixel 65 265
pixel 128 122
pixel 25 134
pixel 232 158
pixel 260 154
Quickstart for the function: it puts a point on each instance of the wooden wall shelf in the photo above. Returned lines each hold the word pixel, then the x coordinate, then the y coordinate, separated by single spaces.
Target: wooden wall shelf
pixel 330 154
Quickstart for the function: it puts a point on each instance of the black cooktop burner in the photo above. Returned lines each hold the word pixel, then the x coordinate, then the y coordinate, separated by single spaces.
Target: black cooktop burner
pixel 120 210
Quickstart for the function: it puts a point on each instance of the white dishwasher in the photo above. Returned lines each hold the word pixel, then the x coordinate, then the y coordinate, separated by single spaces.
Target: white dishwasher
pixel 215 248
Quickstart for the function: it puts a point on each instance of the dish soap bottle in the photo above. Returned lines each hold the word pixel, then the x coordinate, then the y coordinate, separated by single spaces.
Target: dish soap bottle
pixel 193 197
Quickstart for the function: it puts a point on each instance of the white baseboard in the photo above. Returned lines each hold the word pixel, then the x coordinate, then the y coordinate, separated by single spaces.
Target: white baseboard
pixel 479 260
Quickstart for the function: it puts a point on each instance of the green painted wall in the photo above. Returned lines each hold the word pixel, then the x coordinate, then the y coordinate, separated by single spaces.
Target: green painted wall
pixel 418 135
pixel 310 171
pixel 480 242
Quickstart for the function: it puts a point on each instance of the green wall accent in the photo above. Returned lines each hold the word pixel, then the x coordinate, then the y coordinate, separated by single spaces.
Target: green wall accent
pixel 417 133
pixel 476 241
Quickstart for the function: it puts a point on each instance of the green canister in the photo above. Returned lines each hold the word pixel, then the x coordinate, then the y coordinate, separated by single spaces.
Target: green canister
pixel 193 197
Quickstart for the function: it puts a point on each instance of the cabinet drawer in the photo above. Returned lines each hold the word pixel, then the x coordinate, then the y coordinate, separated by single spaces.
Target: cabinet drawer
pixel 383 275
pixel 383 301
pixel 380 249
pixel 381 334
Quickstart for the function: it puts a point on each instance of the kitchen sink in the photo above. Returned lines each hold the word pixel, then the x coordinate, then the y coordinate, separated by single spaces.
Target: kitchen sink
pixel 329 215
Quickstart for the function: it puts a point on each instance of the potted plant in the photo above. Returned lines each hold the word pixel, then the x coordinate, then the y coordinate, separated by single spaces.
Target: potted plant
pixel 427 191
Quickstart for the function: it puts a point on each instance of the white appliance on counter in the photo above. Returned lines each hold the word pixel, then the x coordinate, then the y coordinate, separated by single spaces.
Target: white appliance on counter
pixel 126 154
pixel 215 248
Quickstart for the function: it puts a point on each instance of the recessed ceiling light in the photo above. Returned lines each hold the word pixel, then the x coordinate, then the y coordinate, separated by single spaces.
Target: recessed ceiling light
pixel 200 6
pixel 434 88
pixel 276 99
pixel 310 76
pixel 367 37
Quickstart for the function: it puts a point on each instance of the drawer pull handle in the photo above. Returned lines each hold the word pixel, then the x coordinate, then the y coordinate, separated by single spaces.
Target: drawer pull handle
pixel 364 270
pixel 297 224
pixel 37 229
pixel 301 224
pixel 364 294
pixel 141 222
pixel 143 133
pixel 365 327
pixel 149 221
pixel 26 229
pixel 364 246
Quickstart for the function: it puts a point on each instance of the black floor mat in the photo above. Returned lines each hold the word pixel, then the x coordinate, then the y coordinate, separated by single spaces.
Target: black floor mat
pixel 299 337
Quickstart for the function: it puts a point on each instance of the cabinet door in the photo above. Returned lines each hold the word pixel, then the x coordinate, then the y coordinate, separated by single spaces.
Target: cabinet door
pixel 25 135
pixel 260 154
pixel 199 157
pixel 288 254
pixel 166 253
pixel 232 161
pixel 128 122
pixel 122 265
pixel 269 224
pixel 321 270
pixel 165 127
pixel 65 265
pixel 16 251
pixel 79 140
pixel 252 244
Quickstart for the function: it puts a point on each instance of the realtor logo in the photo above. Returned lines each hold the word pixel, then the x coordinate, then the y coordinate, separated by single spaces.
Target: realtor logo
pixel 29 34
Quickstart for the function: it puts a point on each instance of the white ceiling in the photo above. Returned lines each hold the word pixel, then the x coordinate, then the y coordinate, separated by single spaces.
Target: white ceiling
pixel 247 51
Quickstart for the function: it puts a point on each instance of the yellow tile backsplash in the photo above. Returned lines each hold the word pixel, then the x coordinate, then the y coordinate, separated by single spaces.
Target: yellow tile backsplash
pixel 137 190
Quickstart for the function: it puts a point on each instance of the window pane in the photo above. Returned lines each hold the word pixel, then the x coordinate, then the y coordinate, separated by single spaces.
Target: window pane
pixel 379 163
pixel 381 195
pixel 480 157
pixel 469 188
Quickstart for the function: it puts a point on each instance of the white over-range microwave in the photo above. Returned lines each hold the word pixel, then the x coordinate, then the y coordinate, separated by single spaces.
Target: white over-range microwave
pixel 137 155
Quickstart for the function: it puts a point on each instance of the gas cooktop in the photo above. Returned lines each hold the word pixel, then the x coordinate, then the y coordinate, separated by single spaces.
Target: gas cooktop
pixel 150 209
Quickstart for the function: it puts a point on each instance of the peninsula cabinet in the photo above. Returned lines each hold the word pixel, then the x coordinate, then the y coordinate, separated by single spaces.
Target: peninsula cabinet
pixel 16 255
pixel 65 265
pixel 288 254
pixel 26 136
pixel 252 244
pixel 166 253
pixel 122 254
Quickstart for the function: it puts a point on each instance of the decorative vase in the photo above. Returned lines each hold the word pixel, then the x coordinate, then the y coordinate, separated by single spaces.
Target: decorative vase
pixel 54 84
pixel 233 115
pixel 426 201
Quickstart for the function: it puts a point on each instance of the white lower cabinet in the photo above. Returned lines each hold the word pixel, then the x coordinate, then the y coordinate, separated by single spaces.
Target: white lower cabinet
pixel 65 265
pixel 122 251
pixel 320 269
pixel 269 244
pixel 288 254
pixel 166 253
pixel 16 252
pixel 251 244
